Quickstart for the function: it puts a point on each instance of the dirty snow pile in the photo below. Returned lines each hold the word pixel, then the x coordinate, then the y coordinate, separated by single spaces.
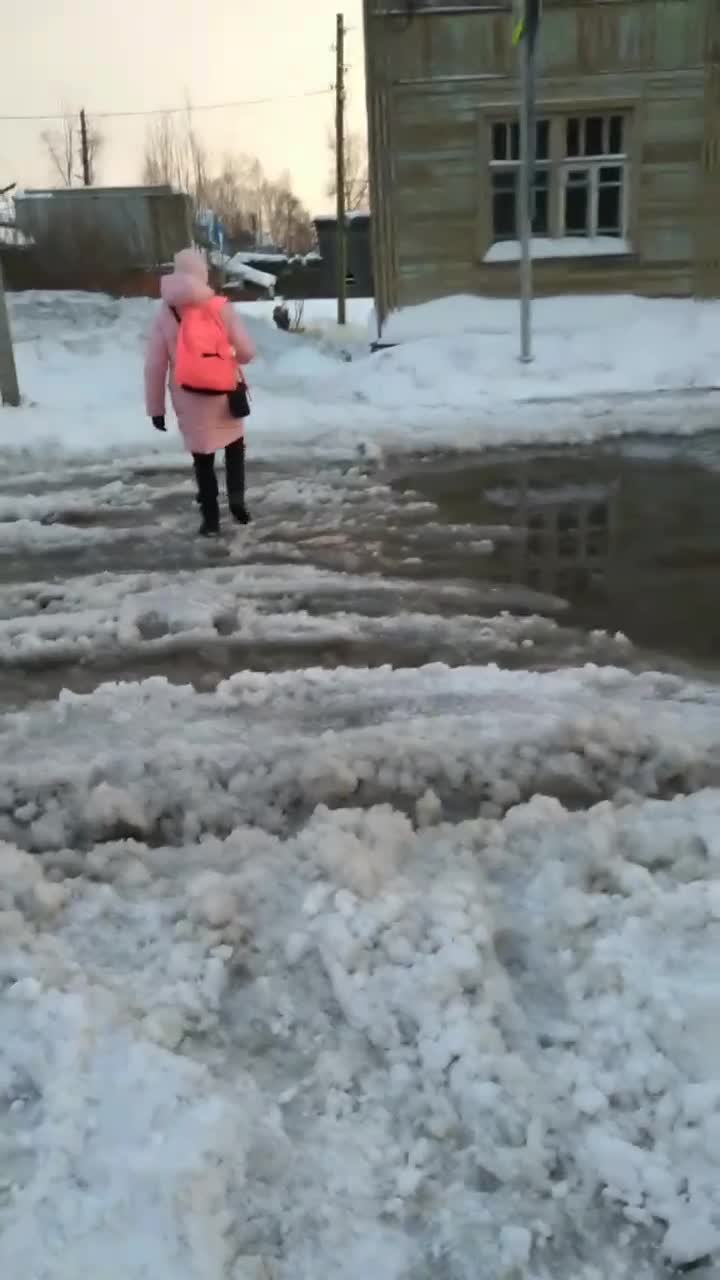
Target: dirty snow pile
pixel 453 380
pixel 433 989
pixel 260 611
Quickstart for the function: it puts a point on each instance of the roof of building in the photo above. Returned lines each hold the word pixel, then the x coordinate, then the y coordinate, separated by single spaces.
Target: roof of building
pixel 329 219
pixel 83 193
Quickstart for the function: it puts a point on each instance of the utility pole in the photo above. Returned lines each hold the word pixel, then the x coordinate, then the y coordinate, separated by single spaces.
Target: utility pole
pixel 9 390
pixel 85 149
pixel 525 38
pixel 341 251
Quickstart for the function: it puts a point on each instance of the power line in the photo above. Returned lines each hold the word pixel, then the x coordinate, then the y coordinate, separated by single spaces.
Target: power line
pixel 190 108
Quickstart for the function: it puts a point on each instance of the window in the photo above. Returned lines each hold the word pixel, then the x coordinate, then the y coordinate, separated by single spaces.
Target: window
pixel 580 183
pixel 505 173
pixel 594 170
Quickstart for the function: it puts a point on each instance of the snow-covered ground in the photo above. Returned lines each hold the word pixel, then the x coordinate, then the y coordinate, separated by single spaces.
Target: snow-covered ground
pixel 359 915
pixel 454 380
pixel 296 1001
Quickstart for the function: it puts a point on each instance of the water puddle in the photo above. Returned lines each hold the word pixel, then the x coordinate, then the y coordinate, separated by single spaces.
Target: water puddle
pixel 519 558
pixel 627 534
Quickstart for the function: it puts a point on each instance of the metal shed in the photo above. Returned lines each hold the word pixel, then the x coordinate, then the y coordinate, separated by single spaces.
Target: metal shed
pixel 133 227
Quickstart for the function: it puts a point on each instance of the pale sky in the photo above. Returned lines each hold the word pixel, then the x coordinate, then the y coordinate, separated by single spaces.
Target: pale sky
pixel 134 55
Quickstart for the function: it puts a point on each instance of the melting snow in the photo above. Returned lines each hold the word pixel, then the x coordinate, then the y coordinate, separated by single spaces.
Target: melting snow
pixel 345 973
pixel 283 1000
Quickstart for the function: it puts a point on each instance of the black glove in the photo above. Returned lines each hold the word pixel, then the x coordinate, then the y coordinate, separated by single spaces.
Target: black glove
pixel 159 422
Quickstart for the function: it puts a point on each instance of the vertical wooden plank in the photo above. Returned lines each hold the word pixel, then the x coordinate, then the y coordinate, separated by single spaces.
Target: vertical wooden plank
pixel 598 38
pixel 678 34
pixel 383 246
pixel 637 37
pixel 707 264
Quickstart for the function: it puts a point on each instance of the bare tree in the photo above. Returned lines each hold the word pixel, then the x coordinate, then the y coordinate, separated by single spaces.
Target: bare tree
pixel 235 195
pixel 285 218
pixel 198 163
pixel 252 207
pixel 298 315
pixel 175 156
pixel 159 153
pixel 64 149
pixel 357 183
pixel 95 144
pixel 60 147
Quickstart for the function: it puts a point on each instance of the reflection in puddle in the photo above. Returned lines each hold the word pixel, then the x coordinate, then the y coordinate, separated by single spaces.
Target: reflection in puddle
pixel 564 536
pixel 629 538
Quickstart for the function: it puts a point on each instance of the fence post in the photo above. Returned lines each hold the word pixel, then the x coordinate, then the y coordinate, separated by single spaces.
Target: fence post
pixel 9 390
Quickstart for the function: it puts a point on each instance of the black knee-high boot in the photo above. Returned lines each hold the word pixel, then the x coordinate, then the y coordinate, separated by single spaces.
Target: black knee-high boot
pixel 207 484
pixel 235 476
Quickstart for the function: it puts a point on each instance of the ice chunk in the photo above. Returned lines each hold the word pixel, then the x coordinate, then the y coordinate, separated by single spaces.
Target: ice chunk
pixel 213 901
pixel 515 1246
pixel 690 1239
pixel 255 1268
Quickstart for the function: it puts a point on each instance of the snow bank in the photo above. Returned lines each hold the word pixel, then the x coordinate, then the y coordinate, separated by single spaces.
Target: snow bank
pixel 491 720
pixel 454 380
pixel 285 1001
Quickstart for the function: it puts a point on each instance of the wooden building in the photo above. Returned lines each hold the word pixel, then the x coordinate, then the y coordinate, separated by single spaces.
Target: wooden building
pixel 627 184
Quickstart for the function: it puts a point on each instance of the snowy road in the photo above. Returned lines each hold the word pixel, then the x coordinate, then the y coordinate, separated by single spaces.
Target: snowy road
pixel 101 578
pixel 334 971
pixel 359 879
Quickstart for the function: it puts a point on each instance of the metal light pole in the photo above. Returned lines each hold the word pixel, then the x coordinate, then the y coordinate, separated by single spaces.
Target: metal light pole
pixel 340 171
pixel 525 197
pixel 525 39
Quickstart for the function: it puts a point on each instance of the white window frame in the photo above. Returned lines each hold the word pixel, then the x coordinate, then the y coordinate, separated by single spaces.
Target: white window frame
pixel 558 165
pixel 510 165
pixel 592 164
pixel 593 167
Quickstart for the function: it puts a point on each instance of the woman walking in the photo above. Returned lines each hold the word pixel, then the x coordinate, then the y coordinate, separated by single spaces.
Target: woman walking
pixel 199 344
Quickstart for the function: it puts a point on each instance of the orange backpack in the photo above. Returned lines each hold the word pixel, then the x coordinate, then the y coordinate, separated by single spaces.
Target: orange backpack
pixel 205 360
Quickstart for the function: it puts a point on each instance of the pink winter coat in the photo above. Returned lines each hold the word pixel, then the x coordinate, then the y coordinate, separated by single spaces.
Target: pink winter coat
pixel 204 421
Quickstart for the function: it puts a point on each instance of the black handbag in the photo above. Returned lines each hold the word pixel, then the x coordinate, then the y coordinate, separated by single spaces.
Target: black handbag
pixel 239 401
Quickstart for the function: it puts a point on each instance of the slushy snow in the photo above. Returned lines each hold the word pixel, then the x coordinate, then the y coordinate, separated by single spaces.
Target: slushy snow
pixel 435 985
pixel 410 974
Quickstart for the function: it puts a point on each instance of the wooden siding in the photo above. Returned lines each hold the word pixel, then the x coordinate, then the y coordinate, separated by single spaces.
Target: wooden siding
pixel 707 250
pixel 381 170
pixel 624 37
pixel 440 77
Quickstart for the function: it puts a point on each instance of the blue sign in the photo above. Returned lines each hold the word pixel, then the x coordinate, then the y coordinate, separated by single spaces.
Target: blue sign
pixel 217 232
